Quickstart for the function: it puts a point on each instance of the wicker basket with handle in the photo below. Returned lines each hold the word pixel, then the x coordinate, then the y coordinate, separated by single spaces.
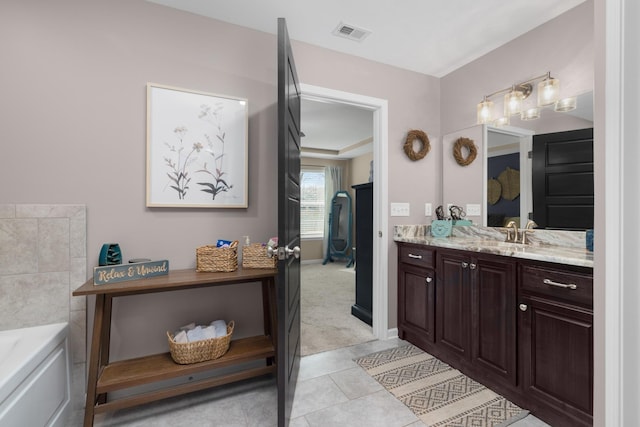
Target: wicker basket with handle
pixel 210 258
pixel 200 351
pixel 255 256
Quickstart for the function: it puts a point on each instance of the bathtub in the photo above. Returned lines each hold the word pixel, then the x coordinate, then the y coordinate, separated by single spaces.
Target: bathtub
pixel 35 376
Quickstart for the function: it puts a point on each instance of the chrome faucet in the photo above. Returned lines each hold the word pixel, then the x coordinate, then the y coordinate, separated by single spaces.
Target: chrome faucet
pixel 528 229
pixel 512 232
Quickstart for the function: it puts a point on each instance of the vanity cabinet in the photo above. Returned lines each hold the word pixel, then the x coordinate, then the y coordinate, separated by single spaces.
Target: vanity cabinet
pixel 476 313
pixel 416 294
pixel 524 328
pixel 556 340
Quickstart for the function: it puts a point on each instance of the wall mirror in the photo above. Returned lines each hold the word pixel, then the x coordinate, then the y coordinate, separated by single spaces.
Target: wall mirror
pixel 471 186
pixel 508 162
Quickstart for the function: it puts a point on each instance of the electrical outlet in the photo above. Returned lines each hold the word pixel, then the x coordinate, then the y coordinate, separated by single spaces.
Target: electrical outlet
pixel 427 209
pixel 474 209
pixel 400 209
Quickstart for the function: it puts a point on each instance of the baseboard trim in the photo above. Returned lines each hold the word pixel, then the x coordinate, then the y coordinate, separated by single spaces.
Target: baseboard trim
pixel 392 333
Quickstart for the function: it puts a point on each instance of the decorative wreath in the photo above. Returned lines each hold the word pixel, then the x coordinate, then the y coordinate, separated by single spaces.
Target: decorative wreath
pixel 457 151
pixel 408 144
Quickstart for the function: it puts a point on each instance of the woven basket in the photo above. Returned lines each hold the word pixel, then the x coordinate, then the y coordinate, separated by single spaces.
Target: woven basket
pixel 200 351
pixel 255 256
pixel 210 258
pixel 494 191
pixel 510 181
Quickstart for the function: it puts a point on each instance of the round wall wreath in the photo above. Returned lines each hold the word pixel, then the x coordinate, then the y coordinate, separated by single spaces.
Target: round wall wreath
pixel 457 151
pixel 408 144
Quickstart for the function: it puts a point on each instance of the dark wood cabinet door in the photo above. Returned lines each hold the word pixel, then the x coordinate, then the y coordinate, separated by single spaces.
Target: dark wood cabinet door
pixel 452 302
pixel 557 357
pixel 493 317
pixel 416 291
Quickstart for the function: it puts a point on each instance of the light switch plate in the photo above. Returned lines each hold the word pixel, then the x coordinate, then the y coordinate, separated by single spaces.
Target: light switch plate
pixel 400 209
pixel 427 209
pixel 474 209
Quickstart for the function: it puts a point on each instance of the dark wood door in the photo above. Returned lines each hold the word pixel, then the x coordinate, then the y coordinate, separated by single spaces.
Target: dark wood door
pixel 452 302
pixel 288 287
pixel 416 304
pixel 493 317
pixel 557 357
pixel 562 179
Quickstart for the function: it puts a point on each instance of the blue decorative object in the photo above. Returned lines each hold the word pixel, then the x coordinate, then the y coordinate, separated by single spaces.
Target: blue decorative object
pixel 441 228
pixel 589 240
pixel 110 254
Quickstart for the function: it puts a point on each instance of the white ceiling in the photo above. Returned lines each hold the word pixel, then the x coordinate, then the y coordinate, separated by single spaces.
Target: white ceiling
pixel 432 37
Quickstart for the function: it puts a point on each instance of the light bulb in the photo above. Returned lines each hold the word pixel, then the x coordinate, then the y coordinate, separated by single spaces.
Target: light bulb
pixel 548 91
pixel 484 111
pixel 513 102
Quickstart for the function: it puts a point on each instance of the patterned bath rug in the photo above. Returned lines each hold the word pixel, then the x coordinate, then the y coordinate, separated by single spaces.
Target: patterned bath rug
pixel 439 395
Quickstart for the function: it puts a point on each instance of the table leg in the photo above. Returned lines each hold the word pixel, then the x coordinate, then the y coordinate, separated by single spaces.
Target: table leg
pixel 94 360
pixel 105 341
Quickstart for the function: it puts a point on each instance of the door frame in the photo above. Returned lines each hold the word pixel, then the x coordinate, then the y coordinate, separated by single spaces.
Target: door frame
pixel 379 108
pixel 525 137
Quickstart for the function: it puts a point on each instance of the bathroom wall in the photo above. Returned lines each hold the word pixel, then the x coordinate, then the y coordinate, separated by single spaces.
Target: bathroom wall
pixel 564 46
pixel 73 103
pixel 42 260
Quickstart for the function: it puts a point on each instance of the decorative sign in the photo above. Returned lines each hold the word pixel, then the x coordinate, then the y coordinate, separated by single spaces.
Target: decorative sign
pixel 125 272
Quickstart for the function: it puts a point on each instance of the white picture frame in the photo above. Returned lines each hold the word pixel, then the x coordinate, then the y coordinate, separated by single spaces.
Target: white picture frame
pixel 197 149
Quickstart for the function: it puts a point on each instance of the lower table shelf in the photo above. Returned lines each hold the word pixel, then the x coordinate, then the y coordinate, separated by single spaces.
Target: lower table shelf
pixel 158 367
pixel 142 370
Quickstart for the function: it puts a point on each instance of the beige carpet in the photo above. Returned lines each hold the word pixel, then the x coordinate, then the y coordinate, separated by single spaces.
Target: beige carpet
pixel 438 394
pixel 328 292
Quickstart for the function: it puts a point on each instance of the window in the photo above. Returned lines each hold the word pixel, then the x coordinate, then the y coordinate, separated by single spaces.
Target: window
pixel 312 202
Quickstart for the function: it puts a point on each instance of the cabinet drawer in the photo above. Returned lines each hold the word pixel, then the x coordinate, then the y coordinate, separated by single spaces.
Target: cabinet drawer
pixel 418 255
pixel 568 285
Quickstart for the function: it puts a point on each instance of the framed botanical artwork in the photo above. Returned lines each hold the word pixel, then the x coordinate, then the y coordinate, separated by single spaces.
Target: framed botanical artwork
pixel 197 147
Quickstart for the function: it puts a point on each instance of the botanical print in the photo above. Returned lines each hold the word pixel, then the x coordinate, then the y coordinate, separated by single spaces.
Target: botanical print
pixel 196 149
pixel 218 184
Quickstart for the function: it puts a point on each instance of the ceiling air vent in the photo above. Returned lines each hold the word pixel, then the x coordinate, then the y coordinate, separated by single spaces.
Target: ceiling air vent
pixel 351 32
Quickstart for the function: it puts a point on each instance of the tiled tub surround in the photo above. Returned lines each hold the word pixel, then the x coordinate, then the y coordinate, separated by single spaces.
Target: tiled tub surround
pixel 558 246
pixel 42 260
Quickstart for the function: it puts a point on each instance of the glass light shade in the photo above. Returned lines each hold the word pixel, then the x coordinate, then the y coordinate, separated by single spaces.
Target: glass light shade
pixel 484 112
pixel 502 121
pixel 530 114
pixel 513 102
pixel 566 104
pixel 548 91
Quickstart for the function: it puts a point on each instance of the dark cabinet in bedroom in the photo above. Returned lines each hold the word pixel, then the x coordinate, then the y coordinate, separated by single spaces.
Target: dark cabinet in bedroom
pixel 363 307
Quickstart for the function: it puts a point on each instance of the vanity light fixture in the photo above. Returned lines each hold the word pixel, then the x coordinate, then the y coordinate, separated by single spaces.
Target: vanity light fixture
pixel 530 114
pixel 566 104
pixel 548 89
pixel 513 101
pixel 501 122
pixel 484 111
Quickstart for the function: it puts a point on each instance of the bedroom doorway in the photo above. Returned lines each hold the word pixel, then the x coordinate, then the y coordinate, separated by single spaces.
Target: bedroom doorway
pixel 378 109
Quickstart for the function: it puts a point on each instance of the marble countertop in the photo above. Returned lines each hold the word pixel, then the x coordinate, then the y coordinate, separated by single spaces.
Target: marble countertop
pixel 493 243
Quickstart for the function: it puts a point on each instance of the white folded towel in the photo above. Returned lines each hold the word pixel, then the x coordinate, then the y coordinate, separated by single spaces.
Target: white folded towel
pixel 209 332
pixel 181 337
pixel 220 327
pixel 196 334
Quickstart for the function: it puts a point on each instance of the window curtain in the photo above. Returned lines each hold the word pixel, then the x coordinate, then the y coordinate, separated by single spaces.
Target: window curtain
pixel 332 184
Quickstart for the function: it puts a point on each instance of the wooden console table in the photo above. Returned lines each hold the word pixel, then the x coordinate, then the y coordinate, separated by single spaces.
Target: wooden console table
pixel 105 377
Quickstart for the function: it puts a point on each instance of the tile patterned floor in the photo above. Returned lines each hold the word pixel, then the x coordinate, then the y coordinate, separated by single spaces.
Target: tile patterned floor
pixel 331 391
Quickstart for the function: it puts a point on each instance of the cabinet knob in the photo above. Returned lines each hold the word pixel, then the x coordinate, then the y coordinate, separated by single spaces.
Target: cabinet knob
pixel 472 266
pixel 464 264
pixel 523 307
pixel 428 279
